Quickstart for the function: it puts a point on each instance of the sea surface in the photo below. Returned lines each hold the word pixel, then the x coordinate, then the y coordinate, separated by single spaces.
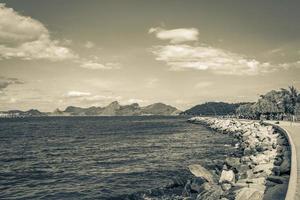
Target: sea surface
pixel 101 157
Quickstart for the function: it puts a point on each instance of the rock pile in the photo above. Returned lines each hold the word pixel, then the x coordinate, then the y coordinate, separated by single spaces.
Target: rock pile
pixel 262 172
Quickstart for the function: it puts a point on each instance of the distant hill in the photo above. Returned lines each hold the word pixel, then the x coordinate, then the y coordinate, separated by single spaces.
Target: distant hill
pixel 115 109
pixel 19 113
pixel 159 109
pixel 213 108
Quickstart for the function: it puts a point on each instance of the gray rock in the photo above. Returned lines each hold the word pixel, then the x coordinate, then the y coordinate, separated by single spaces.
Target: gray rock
pixel 263 168
pixel 278 179
pixel 233 162
pixel 197 184
pixel 285 166
pixel 278 161
pixel 277 192
pixel 249 194
pixel 226 186
pixel 247 151
pixel 201 172
pixel 227 176
pixel 213 193
pixel 276 170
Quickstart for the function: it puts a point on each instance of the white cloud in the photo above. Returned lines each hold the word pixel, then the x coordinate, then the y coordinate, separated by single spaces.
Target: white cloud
pixel 182 56
pixel 77 94
pixel 95 64
pixel 26 38
pixel 89 45
pixel 136 101
pixel 176 35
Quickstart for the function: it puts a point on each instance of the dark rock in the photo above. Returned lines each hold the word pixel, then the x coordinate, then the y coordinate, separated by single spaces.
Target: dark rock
pixel 277 192
pixel 213 193
pixel 278 161
pixel 285 166
pixel 277 179
pixel 187 189
pixel 233 162
pixel 196 185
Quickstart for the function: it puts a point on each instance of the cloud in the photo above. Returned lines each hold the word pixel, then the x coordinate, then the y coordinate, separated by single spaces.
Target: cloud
pixel 89 45
pixel 136 101
pixel 182 57
pixel 96 65
pixel 28 39
pixel 175 35
pixel 5 82
pixel 287 66
pixel 73 94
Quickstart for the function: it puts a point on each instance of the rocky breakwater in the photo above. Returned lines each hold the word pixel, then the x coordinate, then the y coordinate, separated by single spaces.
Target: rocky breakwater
pixel 260 172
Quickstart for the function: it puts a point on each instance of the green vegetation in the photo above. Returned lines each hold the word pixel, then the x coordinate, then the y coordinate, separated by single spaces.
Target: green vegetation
pixel 213 109
pixel 282 104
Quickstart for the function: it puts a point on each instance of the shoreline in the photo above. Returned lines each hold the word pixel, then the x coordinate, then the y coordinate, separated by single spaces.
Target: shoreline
pixel 263 169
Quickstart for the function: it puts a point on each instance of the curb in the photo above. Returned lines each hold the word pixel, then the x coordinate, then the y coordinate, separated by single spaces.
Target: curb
pixel 290 195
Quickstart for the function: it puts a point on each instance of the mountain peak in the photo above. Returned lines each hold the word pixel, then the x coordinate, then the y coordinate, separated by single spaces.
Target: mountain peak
pixel 114 103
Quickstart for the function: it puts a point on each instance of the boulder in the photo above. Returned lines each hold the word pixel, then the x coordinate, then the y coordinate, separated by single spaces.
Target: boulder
pixel 201 172
pixel 249 194
pixel 213 193
pixel 226 186
pixel 277 192
pixel 285 166
pixel 247 151
pixel 260 180
pixel 278 179
pixel 278 161
pixel 233 162
pixel 196 185
pixel 276 170
pixel 227 176
pixel 263 168
pixel 260 159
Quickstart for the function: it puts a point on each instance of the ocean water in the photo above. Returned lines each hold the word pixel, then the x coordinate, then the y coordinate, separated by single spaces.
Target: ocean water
pixel 100 157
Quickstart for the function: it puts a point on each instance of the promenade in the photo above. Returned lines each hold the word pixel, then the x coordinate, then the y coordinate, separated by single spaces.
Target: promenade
pixel 293 131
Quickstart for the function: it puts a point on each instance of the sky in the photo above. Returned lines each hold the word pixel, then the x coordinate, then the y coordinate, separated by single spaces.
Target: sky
pixel 89 53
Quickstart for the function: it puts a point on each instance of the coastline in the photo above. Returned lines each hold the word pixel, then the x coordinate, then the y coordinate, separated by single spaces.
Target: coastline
pixel 263 169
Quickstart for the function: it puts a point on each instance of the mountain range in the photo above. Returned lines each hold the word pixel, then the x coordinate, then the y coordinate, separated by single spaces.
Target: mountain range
pixel 113 109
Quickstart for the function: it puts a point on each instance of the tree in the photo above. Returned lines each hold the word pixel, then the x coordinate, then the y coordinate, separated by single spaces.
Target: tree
pixel 270 105
pixel 246 111
pixel 290 99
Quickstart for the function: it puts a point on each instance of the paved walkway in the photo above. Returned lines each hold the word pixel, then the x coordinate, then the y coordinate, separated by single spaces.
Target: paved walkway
pixel 293 130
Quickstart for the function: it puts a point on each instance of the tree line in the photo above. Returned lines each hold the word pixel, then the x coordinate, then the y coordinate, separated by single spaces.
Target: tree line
pixel 283 104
